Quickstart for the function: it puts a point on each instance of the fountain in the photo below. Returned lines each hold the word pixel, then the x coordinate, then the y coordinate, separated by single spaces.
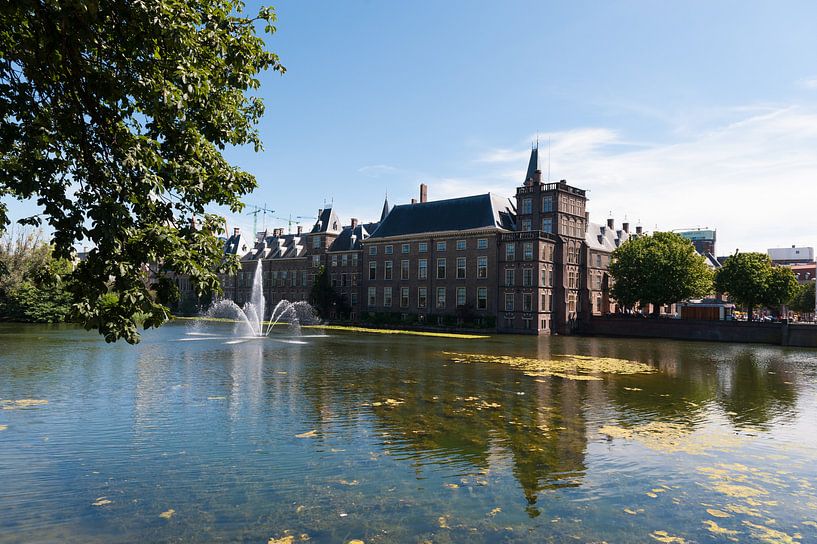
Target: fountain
pixel 251 317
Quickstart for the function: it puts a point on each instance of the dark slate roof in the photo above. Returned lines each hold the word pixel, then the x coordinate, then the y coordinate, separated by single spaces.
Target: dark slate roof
pixel 276 247
pixel 236 244
pixel 386 209
pixel 327 222
pixel 350 239
pixel 533 163
pixel 470 212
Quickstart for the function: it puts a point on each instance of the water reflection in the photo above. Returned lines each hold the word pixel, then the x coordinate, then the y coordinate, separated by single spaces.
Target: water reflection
pixel 386 439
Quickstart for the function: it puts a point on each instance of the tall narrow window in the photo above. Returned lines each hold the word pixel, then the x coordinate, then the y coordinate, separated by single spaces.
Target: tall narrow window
pixel 509 277
pixel 482 298
pixel 422 269
pixel 460 297
pixel 527 277
pixel 372 296
pixel 422 297
pixel 547 224
pixel 387 274
pixel 527 251
pixel 527 302
pixel 440 269
pixel 387 297
pixel 508 302
pixel 460 268
pixel 372 270
pixel 440 297
pixel 526 205
pixel 482 267
pixel 404 297
pixel 510 252
pixel 404 270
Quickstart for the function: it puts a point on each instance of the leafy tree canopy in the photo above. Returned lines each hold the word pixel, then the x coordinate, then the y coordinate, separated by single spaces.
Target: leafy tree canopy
pixel 750 279
pixel 803 300
pixel 662 268
pixel 113 116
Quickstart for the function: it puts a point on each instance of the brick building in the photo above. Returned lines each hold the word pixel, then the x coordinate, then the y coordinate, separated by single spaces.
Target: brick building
pixel 531 264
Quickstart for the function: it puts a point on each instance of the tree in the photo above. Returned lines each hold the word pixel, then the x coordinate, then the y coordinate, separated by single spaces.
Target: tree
pixel 659 269
pixel 324 298
pixel 113 116
pixel 31 284
pixel 803 299
pixel 750 279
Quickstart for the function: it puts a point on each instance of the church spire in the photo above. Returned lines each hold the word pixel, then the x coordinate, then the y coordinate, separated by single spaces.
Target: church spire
pixel 386 208
pixel 533 163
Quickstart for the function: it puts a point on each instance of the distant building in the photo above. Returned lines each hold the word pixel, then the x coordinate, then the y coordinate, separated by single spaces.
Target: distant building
pixel 791 255
pixel 529 264
pixel 804 272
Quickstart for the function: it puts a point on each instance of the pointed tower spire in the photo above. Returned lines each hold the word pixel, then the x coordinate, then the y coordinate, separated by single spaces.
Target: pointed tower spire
pixel 533 163
pixel 386 208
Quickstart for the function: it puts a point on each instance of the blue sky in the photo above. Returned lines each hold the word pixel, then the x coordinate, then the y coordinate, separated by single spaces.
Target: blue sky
pixel 674 114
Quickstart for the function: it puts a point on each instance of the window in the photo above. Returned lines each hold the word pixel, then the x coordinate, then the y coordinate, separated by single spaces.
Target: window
pixel 404 270
pixel 440 269
pixel 422 247
pixel 460 245
pixel 316 261
pixel 544 304
pixel 404 297
pixel 387 297
pixel 303 278
pixel 508 302
pixel 527 251
pixel 482 298
pixel 527 302
pixel 440 297
pixel 388 250
pixel 422 297
pixel 482 243
pixel 547 224
pixel 527 277
pixel 482 267
pixel 460 268
pixel 598 261
pixel 334 260
pixel 354 259
pixel 353 298
pixel 526 225
pixel 441 246
pixel 510 252
pixel 354 279
pixel 372 296
pixel 372 250
pixel 372 270
pixel 316 242
pixel 509 277
pixel 422 269
pixel 293 279
pixel 344 260
pixel 405 248
pixel 547 203
pixel 334 280
pixel 460 297
pixel 343 280
pixel 283 278
pixel 526 206
pixel 387 274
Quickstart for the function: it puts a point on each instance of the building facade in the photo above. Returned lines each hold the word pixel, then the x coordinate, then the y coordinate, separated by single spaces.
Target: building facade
pixel 531 264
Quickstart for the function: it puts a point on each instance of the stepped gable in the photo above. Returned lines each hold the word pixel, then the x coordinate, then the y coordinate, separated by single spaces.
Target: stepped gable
pixel 455 214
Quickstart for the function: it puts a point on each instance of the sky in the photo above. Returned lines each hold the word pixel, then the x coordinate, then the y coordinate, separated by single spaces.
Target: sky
pixel 672 115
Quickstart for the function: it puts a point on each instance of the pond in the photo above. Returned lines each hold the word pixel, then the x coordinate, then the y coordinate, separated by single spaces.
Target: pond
pixel 337 436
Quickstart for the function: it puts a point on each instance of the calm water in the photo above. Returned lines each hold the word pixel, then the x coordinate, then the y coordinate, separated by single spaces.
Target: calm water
pixel 386 439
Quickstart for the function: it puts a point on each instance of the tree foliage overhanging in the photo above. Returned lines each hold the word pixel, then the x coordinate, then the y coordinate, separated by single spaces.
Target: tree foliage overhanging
pixel 662 268
pixel 750 279
pixel 113 116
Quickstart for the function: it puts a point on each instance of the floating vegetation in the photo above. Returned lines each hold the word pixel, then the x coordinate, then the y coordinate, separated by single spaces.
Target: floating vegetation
pixel 21 403
pixel 442 522
pixel 101 501
pixel 494 511
pixel 167 514
pixel 569 367
pixel 3 427
pixel 396 331
pixel 671 438
pixel 713 527
pixel 771 536
pixel 309 434
pixel 663 536
pixel 633 512
pixel 287 539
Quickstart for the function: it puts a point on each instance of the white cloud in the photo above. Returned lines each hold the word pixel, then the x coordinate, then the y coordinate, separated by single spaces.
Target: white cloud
pixel 809 83
pixel 376 170
pixel 754 180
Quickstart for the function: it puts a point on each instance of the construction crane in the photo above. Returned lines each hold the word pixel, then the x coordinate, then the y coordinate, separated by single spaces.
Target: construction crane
pixel 289 220
pixel 256 210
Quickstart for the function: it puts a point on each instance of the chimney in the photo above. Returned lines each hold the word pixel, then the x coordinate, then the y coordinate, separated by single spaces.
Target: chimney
pixel 300 230
pixel 414 201
pixel 354 223
pixel 639 229
pixel 423 193
pixel 626 227
pixel 537 176
pixel 610 223
pixel 236 231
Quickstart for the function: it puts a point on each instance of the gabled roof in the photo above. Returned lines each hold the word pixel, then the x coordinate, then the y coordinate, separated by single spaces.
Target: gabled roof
pixel 236 244
pixel 349 239
pixel 602 238
pixel 470 212
pixel 327 222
